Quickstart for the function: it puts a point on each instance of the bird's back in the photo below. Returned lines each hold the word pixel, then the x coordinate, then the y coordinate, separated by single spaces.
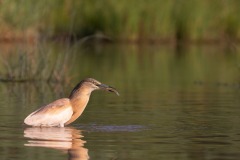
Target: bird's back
pixel 54 114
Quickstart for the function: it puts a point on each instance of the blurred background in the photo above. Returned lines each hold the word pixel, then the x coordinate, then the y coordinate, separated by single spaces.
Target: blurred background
pixel 128 21
pixel 175 64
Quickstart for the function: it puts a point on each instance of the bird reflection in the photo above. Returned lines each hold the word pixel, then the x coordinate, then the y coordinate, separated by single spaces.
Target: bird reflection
pixel 65 139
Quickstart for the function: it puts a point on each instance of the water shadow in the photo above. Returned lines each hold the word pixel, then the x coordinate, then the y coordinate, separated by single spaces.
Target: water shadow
pixel 65 139
pixel 112 128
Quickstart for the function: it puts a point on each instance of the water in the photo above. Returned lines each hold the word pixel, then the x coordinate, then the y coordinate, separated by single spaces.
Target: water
pixel 174 104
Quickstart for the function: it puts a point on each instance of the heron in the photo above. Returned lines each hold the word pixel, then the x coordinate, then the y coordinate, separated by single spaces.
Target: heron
pixel 64 111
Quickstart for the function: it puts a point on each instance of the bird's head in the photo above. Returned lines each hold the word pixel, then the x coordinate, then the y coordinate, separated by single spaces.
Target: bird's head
pixel 89 85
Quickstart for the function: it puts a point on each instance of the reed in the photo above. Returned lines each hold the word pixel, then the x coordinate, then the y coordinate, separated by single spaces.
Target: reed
pixel 36 63
pixel 172 20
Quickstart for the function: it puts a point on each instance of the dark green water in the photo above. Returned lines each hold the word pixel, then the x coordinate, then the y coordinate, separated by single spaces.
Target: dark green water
pixel 174 104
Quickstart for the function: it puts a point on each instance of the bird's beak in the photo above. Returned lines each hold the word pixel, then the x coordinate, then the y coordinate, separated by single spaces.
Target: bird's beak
pixel 108 88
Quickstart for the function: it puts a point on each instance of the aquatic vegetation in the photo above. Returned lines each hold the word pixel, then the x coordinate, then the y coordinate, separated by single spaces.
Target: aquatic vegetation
pixel 170 21
pixel 35 62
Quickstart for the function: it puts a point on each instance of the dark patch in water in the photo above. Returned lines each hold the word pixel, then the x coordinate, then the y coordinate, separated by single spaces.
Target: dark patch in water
pixel 111 128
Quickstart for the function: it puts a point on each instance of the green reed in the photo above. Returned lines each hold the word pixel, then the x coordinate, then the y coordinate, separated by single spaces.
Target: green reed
pixel 124 20
pixel 35 63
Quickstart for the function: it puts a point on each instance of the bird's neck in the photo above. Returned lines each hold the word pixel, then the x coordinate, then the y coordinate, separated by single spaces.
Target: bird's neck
pixel 79 102
pixel 80 99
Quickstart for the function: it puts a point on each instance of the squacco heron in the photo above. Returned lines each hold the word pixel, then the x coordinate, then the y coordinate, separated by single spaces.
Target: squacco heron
pixel 66 110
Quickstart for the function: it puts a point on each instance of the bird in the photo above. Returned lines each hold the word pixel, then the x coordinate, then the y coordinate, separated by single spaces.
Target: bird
pixel 64 111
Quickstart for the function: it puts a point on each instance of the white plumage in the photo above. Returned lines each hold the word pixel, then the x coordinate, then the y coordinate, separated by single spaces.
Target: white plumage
pixel 54 114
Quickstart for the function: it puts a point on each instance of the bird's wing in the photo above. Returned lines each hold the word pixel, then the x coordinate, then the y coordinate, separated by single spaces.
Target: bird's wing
pixel 54 114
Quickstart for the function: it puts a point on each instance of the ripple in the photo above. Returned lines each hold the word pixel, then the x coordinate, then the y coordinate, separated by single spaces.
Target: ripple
pixel 112 128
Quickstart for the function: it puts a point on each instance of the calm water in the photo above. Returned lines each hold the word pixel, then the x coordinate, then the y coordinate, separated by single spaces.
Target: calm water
pixel 174 104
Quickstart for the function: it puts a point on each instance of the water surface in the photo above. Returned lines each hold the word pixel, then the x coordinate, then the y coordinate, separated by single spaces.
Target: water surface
pixel 174 104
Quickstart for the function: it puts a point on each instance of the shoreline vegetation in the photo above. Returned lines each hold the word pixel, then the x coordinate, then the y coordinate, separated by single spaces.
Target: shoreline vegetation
pixel 24 62
pixel 172 21
pixel 38 23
